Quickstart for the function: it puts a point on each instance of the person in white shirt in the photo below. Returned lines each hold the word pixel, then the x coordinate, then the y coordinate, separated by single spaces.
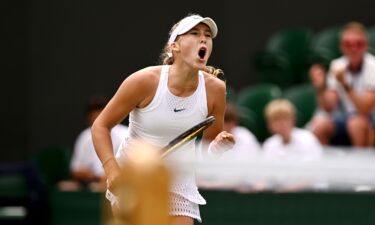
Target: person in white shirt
pixel 86 168
pixel 247 145
pixel 288 142
pixel 246 149
pixel 346 96
pixel 288 145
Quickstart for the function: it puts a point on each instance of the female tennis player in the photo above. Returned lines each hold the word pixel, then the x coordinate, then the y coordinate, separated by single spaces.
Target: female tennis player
pixel 165 100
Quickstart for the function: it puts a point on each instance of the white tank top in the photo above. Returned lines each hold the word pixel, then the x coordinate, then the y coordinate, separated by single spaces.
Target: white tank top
pixel 165 118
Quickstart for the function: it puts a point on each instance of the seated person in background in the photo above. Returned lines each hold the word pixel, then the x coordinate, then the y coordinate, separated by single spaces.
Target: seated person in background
pixel 86 168
pixel 246 145
pixel 288 142
pixel 347 96
pixel 289 146
pixel 245 149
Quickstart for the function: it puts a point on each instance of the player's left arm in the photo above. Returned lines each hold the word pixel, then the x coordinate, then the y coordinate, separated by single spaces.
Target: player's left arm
pixel 216 101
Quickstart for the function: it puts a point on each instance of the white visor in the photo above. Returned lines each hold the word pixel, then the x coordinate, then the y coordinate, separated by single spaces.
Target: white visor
pixel 188 23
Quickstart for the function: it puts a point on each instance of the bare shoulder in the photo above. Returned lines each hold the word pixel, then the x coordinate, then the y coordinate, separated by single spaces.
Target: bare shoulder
pixel 146 77
pixel 139 87
pixel 214 84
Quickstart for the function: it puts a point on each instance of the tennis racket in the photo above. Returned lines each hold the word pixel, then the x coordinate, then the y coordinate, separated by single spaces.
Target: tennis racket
pixel 187 136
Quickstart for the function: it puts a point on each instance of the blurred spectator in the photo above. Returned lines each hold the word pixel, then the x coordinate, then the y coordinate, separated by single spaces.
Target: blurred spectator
pixel 86 168
pixel 246 145
pixel 245 149
pixel 346 97
pixel 288 142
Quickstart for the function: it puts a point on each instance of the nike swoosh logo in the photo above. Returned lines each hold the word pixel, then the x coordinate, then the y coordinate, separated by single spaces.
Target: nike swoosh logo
pixel 178 110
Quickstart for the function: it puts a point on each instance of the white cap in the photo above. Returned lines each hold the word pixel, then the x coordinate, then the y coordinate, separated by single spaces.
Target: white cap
pixel 189 22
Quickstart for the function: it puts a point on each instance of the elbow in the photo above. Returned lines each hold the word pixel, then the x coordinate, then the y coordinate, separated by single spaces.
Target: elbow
pixel 93 129
pixel 96 129
pixel 94 133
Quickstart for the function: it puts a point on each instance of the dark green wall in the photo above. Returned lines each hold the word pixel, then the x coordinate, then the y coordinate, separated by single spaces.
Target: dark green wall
pixel 14 80
pixel 310 208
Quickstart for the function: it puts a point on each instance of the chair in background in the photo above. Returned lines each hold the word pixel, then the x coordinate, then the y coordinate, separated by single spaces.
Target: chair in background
pixel 78 208
pixel 303 97
pixel 23 198
pixel 371 38
pixel 284 57
pixel 294 42
pixel 274 68
pixel 251 102
pixel 53 163
pixel 325 46
pixel 231 94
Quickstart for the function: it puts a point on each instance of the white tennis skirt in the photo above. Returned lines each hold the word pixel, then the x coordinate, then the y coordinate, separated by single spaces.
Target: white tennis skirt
pixel 178 206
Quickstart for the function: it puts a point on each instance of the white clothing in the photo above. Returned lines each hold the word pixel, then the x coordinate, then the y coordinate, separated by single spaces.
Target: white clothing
pixel 180 206
pixel 245 148
pixel 303 146
pixel 84 155
pixel 161 121
pixel 362 81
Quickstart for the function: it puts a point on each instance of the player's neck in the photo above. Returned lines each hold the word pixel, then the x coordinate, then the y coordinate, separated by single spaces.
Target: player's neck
pixel 182 77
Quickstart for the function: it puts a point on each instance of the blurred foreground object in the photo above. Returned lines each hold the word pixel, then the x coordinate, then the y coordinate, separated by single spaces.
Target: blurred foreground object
pixel 143 188
pixel 337 170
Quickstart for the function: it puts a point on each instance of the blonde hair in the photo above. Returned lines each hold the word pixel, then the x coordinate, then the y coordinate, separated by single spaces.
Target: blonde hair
pixel 166 57
pixel 355 26
pixel 279 108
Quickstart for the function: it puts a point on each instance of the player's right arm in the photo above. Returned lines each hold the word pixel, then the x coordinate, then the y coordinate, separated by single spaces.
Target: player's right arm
pixel 137 90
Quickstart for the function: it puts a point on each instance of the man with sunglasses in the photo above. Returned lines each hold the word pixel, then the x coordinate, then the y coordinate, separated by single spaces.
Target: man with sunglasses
pixel 346 96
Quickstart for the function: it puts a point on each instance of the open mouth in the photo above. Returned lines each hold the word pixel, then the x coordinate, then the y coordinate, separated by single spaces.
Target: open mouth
pixel 202 53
